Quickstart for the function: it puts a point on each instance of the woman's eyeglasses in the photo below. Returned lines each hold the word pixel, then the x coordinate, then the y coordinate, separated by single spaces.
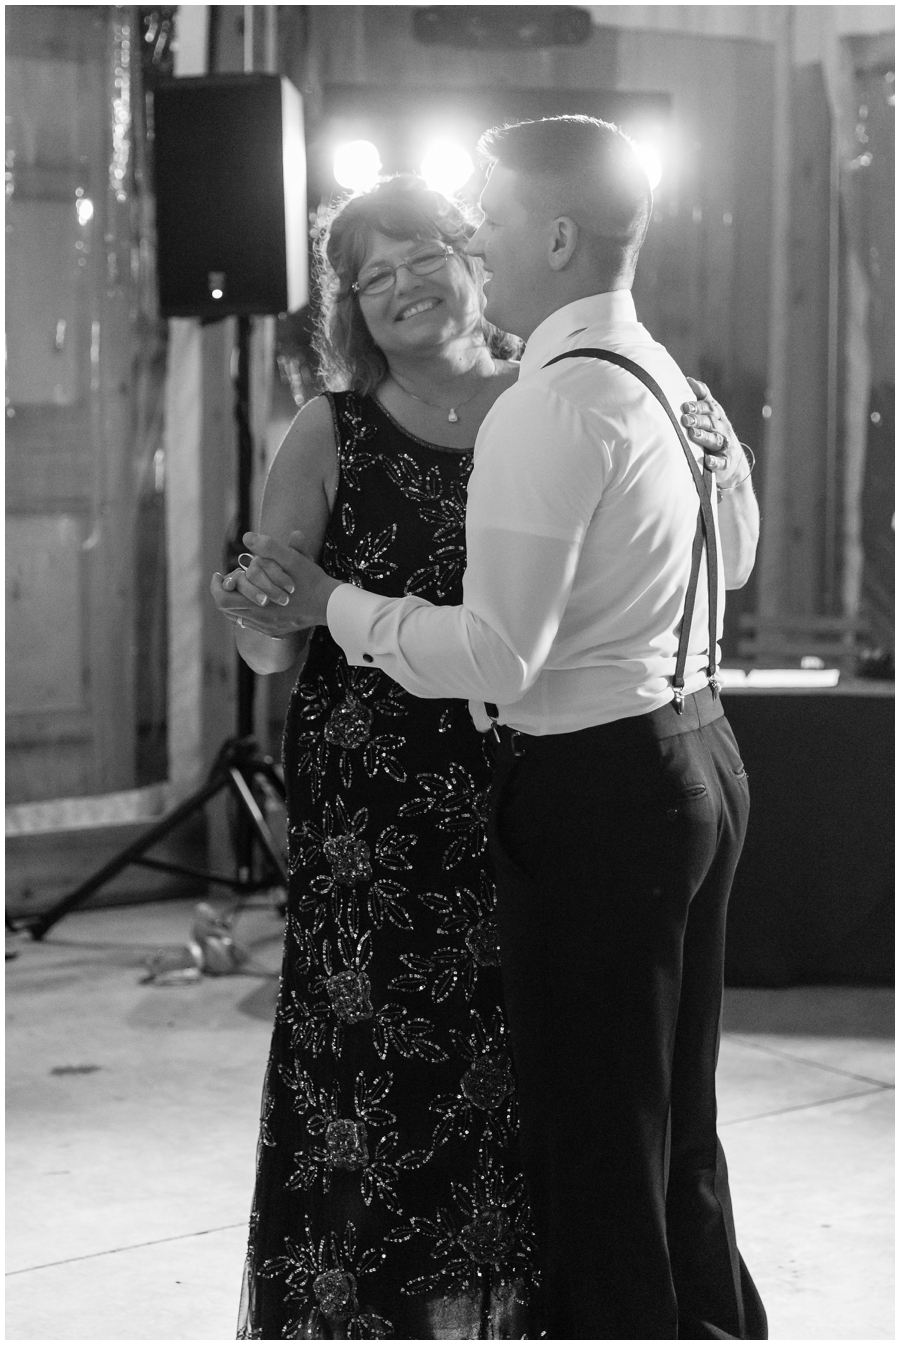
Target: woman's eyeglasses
pixel 381 277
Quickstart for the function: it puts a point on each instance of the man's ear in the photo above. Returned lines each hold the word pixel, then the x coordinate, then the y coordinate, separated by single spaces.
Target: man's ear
pixel 563 241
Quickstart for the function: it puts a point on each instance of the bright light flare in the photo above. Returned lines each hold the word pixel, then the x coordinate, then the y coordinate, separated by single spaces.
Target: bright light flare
pixel 357 165
pixel 85 210
pixel 650 162
pixel 447 167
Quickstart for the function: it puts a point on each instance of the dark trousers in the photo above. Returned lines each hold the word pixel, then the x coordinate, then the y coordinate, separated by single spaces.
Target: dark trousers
pixel 615 849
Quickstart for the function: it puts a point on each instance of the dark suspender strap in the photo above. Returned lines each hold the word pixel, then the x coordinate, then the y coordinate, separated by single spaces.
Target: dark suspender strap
pixel 706 531
pixel 690 598
pixel 706 527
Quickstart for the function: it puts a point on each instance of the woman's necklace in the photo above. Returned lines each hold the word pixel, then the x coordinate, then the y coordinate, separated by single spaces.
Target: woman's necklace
pixel 452 412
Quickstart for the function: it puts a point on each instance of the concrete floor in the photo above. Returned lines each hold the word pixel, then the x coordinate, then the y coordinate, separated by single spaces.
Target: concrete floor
pixel 131 1134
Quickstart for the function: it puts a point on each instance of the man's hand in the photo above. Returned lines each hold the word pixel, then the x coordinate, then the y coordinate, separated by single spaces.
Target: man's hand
pixel 711 430
pixel 284 587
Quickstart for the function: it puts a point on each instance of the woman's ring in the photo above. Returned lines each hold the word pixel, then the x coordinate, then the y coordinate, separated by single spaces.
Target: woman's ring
pixel 245 560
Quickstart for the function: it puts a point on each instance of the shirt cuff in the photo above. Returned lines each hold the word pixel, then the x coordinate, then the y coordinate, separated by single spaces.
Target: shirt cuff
pixel 350 613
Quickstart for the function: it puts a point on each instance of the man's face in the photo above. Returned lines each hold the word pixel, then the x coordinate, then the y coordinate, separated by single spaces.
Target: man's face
pixel 511 242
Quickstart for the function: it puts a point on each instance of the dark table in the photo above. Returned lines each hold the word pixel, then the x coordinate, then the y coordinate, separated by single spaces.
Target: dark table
pixel 812 901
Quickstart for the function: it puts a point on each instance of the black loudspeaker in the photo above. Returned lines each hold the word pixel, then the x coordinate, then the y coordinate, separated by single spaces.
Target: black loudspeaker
pixel 229 166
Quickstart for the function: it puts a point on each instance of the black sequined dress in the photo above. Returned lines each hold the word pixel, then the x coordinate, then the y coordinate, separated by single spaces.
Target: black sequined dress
pixel 389 1199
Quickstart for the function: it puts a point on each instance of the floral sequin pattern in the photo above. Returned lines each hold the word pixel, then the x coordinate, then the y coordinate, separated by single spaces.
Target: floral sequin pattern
pixel 469 942
pixel 325 1278
pixel 349 724
pixel 460 810
pixel 345 1142
pixel 475 1236
pixel 354 865
pixel 445 511
pixel 318 1021
pixel 349 996
pixel 365 560
pixel 355 729
pixel 389 1186
pixel 483 1103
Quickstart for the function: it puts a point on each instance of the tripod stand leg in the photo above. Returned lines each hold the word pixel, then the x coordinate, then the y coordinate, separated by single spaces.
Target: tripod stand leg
pixel 268 770
pixel 255 814
pixel 40 926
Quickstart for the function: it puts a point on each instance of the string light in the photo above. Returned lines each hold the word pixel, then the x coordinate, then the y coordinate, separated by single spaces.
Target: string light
pixel 357 165
pixel 650 162
pixel 447 167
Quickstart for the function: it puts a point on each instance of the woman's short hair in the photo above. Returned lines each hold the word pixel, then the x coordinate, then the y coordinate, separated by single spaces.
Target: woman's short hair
pixel 593 161
pixel 401 207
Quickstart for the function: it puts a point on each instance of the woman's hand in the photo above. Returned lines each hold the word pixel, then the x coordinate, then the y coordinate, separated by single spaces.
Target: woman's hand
pixel 709 427
pixel 259 597
pixel 247 614
pixel 280 592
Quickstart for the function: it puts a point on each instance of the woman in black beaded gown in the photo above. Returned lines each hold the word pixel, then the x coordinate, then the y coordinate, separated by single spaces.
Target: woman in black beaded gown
pixel 389 1200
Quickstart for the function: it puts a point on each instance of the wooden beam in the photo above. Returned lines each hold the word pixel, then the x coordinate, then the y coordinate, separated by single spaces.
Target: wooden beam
pixel 771 565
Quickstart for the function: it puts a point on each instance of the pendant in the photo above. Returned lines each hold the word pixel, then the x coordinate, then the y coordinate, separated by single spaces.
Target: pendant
pixel 453 417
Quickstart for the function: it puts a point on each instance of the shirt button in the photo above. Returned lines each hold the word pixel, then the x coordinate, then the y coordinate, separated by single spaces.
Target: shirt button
pixel 367 658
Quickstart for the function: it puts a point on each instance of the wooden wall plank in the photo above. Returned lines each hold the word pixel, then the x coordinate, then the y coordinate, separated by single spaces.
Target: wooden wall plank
pixel 807 375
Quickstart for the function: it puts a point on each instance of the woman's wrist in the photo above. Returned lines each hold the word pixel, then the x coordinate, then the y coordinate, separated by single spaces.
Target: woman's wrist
pixel 302 634
pixel 742 473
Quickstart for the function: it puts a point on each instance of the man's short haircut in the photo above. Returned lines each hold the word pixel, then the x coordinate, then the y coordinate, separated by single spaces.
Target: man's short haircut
pixel 590 164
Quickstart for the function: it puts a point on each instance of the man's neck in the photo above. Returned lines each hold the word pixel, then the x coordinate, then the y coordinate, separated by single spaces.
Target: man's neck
pixel 566 295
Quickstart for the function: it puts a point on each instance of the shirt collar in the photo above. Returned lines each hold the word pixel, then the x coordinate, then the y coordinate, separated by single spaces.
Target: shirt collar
pixel 561 330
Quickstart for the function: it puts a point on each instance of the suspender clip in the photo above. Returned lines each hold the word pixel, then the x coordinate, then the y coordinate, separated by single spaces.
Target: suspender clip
pixel 679 701
pixel 715 686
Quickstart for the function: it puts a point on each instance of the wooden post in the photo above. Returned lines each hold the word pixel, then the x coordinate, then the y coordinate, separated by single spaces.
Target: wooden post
pixel 772 563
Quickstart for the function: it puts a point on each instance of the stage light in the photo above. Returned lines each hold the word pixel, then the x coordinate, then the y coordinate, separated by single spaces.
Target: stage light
pixel 649 161
pixel 357 165
pixel 84 209
pixel 447 167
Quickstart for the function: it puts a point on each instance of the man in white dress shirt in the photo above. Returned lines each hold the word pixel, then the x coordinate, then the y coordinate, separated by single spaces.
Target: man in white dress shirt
pixel 618 820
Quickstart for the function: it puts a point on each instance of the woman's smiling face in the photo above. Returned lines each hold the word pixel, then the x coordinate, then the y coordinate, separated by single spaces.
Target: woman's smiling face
pixel 419 314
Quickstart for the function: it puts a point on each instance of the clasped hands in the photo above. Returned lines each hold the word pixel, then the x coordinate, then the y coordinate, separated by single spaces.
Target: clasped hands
pixel 281 592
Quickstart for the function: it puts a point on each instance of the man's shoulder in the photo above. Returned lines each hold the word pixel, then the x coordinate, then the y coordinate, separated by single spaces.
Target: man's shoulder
pixel 635 343
pixel 529 400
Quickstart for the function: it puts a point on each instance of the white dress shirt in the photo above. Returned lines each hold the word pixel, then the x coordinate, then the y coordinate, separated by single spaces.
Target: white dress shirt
pixel 579 524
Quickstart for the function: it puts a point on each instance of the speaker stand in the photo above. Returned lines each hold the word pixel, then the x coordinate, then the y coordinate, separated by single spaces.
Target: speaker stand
pixel 238 768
